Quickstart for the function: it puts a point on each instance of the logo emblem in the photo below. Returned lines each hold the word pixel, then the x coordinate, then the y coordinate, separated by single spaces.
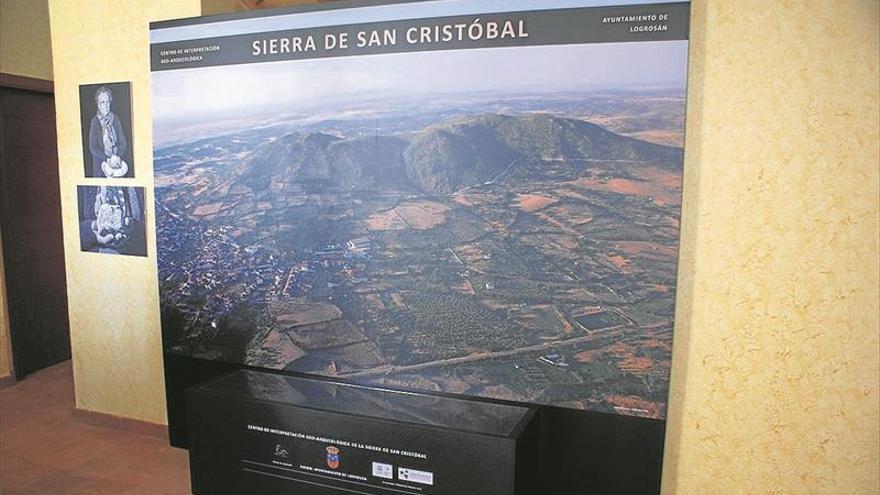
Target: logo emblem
pixel 332 457
pixel 281 452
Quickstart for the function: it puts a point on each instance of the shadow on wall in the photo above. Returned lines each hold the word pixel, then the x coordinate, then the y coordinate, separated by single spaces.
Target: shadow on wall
pixel 687 265
pixel 211 7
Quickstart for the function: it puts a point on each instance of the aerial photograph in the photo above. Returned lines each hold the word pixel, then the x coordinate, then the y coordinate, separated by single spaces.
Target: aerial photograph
pixel 500 223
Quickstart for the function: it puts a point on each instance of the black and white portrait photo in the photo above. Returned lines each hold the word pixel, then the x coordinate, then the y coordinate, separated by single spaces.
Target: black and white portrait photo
pixel 111 220
pixel 105 113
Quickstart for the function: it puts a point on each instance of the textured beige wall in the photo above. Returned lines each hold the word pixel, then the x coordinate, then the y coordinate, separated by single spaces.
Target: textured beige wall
pixel 113 300
pixel 25 49
pixel 775 370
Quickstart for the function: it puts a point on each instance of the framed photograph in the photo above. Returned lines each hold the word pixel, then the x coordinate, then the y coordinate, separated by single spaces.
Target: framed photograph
pixel 105 115
pixel 111 220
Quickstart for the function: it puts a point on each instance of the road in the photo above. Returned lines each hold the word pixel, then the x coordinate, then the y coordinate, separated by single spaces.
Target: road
pixel 382 370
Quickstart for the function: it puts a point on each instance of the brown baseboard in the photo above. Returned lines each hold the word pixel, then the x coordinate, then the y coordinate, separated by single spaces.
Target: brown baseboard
pixel 7 380
pixel 119 423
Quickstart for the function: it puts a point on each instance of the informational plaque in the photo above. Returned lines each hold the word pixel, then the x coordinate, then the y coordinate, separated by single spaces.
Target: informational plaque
pixel 255 432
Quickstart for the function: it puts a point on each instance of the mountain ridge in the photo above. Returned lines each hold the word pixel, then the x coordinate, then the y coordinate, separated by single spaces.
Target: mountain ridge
pixel 445 157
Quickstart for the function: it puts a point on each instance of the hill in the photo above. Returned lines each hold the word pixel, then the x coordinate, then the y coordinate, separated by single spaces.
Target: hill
pixel 446 157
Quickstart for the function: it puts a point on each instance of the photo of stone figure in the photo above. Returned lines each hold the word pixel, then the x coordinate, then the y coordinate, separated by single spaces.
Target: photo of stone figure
pixel 106 115
pixel 499 223
pixel 111 220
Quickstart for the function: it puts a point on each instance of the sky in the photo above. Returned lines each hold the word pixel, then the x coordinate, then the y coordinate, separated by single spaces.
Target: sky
pixel 188 96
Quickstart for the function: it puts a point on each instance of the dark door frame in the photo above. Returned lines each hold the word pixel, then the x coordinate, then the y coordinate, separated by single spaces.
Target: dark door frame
pixel 28 83
pixel 38 86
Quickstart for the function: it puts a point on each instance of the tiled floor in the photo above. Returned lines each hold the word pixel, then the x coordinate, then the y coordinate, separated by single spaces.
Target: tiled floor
pixel 45 451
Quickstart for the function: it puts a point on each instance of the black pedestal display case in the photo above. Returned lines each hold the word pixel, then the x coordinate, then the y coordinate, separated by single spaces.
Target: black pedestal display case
pixel 254 432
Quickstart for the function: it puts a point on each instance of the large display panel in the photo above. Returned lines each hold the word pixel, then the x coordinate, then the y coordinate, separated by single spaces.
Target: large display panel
pixel 475 198
pixel 470 198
